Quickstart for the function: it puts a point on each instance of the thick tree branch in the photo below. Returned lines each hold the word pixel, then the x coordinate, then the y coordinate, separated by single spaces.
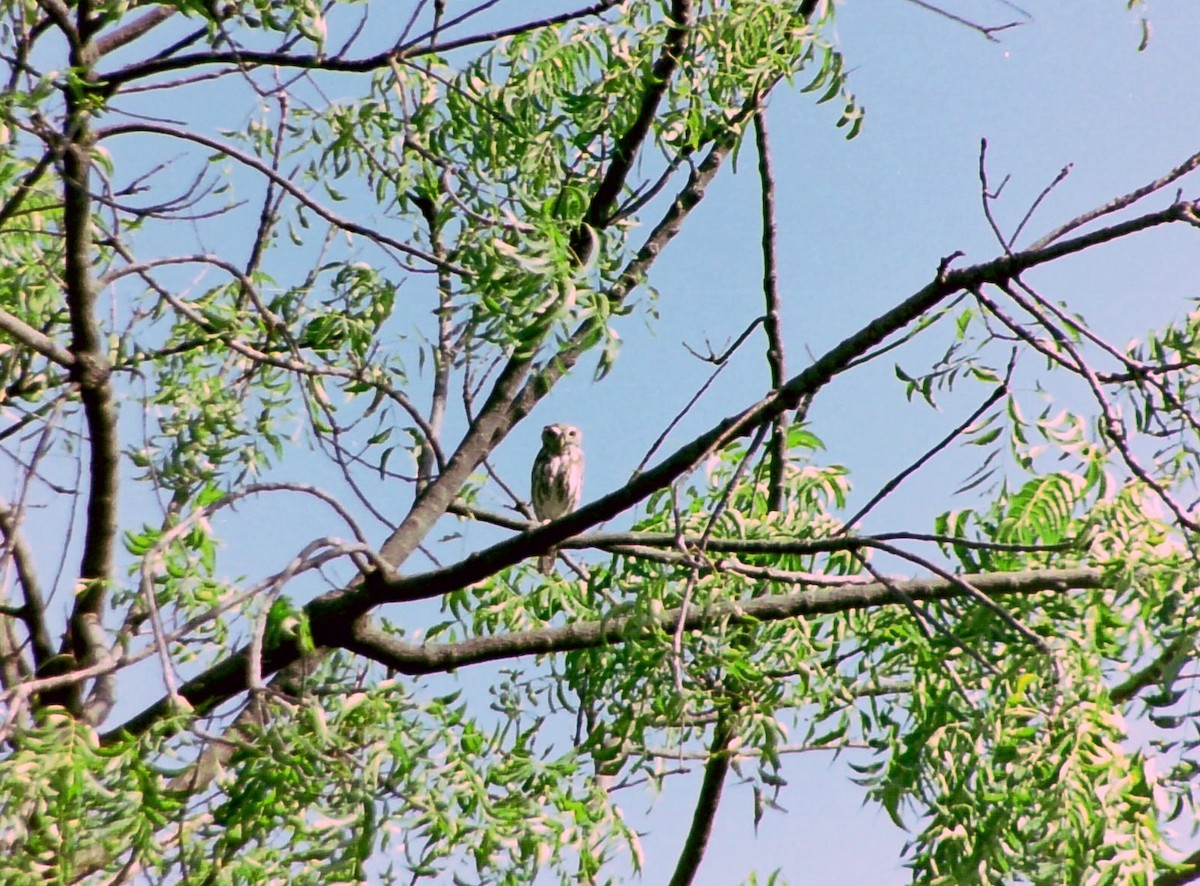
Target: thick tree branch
pixel 85 637
pixel 511 551
pixel 708 800
pixel 1173 654
pixel 370 641
pixel 58 13
pixel 512 397
pixel 610 540
pixel 627 147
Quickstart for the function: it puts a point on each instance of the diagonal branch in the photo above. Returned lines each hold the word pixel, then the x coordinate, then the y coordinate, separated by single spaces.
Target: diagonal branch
pixel 128 33
pixel 1186 871
pixel 31 178
pixel 627 147
pixel 708 800
pixel 1166 662
pixel 890 486
pixel 1121 202
pixel 26 335
pixel 514 394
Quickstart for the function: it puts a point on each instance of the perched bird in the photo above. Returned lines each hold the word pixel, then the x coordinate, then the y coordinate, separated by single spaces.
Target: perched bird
pixel 557 481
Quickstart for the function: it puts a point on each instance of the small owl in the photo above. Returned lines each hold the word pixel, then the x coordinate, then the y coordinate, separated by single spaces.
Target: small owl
pixel 557 481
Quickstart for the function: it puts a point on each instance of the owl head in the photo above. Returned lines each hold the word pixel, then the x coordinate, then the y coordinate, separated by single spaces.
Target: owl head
pixel 559 437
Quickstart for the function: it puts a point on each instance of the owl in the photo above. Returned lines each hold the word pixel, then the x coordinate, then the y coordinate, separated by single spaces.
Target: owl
pixel 557 481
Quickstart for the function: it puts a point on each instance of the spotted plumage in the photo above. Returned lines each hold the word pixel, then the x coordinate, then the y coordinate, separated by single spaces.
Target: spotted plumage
pixel 557 481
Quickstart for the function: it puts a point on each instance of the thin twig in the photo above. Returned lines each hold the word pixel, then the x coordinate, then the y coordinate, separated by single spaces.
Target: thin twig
pixel 1120 202
pixel 890 486
pixel 721 362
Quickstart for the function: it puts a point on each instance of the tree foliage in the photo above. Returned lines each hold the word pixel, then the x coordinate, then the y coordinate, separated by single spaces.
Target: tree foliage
pixel 277 279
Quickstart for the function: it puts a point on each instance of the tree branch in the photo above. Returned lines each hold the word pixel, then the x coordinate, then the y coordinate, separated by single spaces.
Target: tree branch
pixel 1174 653
pixel 33 607
pixel 25 334
pixel 251 58
pixel 707 802
pixel 890 486
pixel 627 147
pixel 31 178
pixel 1120 202
pixel 512 397
pixel 368 640
pixel 335 611
pixel 1189 872
pixel 132 31
pixel 85 637
pixel 772 321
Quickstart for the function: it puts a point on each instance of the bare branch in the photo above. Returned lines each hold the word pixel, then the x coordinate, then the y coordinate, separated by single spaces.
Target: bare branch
pixel 721 362
pixel 1058 179
pixel 988 31
pixel 43 344
pixel 1120 202
pixel 33 607
pixel 772 316
pixel 890 486
pixel 708 800
pixel 137 28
